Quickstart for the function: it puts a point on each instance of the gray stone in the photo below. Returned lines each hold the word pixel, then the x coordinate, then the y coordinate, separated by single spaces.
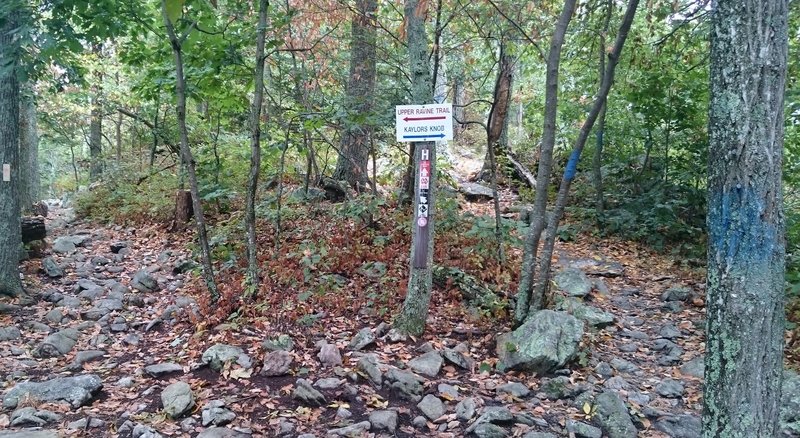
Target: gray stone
pixel 177 399
pixel 419 422
pixel 548 340
pixel 384 420
pixel 305 393
pixel 695 368
pixel 361 340
pixel 57 344
pixel 160 369
pixel 77 390
pixel 583 430
pixel 681 426
pixel 277 363
pixel 218 355
pixel 329 355
pixel 144 282
pixel 51 268
pixel 573 281
pixel 495 415
pixel 368 364
pixel 458 359
pixel 69 302
pixel 428 364
pixel 538 435
pixel 9 333
pixel 670 388
pixel 84 423
pixel 29 416
pixel 557 388
pixel 634 334
pixel 223 432
pixel 448 392
pixel 100 261
pixel 515 389
pixel 489 430
pixel 353 431
pixel 604 370
pixel 591 315
pixel 329 383
pixel 374 270
pixel 669 331
pixel 613 416
pixel 408 385
pixel 63 245
pixel 214 412
pixel 465 409
pixel 617 383
pixel 475 192
pixel 37 326
pixel 85 356
pixel 678 293
pixel 54 316
pixel 431 407
pixel 282 342
pixel 623 366
pixel 29 434
pixel 342 413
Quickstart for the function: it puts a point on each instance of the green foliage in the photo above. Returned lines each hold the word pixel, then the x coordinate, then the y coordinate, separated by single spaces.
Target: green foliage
pixel 125 201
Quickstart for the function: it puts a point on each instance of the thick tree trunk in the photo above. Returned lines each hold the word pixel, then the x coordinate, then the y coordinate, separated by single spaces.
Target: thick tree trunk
pixel 32 228
pixel 253 279
pixel 186 154
pixel 497 140
pixel 354 152
pixel 28 154
pixel 183 209
pixel 10 243
pixel 96 123
pixel 545 164
pixel 746 247
pixel 411 319
pixel 597 162
pixel 543 281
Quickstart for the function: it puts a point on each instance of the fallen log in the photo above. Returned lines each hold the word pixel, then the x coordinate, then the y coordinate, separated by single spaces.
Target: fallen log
pixel 473 290
pixel 32 228
pixel 521 172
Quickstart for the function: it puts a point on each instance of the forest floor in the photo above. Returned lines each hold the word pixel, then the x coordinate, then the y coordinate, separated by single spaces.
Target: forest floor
pixel 126 311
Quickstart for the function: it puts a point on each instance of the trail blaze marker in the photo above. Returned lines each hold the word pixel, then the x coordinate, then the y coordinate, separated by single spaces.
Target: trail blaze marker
pixel 423 204
pixel 424 122
pixel 6 172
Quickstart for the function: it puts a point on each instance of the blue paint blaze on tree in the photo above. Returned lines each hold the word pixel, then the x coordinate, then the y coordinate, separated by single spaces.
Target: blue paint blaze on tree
pixel 572 165
pixel 736 224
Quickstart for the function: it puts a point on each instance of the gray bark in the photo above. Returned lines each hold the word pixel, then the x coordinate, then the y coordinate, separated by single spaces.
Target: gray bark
pixel 10 242
pixel 355 147
pixel 545 164
pixel 253 279
pixel 186 154
pixel 411 319
pixel 96 124
pixel 597 162
pixel 746 247
pixel 28 154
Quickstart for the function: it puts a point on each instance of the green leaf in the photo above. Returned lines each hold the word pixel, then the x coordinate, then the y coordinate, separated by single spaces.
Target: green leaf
pixel 174 9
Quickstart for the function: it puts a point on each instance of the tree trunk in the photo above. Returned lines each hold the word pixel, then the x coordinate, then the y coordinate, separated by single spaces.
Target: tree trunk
pixel 32 228
pixel 183 209
pixel 28 154
pixel 10 243
pixel 411 319
pixel 545 164
pixel 253 279
pixel 96 123
pixel 498 117
pixel 354 151
pixel 597 162
pixel 543 282
pixel 746 247
pixel 186 154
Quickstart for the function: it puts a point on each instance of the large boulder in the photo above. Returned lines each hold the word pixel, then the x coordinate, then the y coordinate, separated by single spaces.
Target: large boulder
pixel 77 390
pixel 548 340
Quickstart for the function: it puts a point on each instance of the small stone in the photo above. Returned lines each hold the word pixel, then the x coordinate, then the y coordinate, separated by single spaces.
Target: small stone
pixel 161 369
pixel 583 430
pixel 352 431
pixel 82 423
pixel 282 342
pixel 465 409
pixel 573 281
pixel 51 268
pixel 407 385
pixel 458 359
pixel 515 389
pixel 623 366
pixel 670 388
pixel 557 388
pixel 57 344
pixel 368 364
pixel 343 413
pixel 448 392
pixel 489 430
pixel 329 355
pixel 304 392
pixel 329 383
pixel 361 340
pixel 218 355
pixel 54 316
pixel 431 407
pixel 144 282
pixel 177 399
pixel 677 294
pixel 29 416
pixel 428 364
pixel 384 420
pixel 694 368
pixel 604 370
pixel 419 422
pixel 214 412
pixel 9 333
pixel 669 331
pixel 277 363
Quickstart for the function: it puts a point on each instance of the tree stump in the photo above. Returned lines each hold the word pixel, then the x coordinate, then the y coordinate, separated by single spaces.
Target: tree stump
pixel 33 228
pixel 183 208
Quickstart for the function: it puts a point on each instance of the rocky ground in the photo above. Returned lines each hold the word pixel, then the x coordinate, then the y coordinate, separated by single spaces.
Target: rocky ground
pixel 111 342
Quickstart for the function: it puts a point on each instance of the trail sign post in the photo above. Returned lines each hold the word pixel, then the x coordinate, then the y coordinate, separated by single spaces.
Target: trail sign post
pixel 424 122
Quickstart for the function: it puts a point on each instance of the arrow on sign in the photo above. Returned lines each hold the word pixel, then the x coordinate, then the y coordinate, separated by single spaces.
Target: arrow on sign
pixel 412 119
pixel 424 136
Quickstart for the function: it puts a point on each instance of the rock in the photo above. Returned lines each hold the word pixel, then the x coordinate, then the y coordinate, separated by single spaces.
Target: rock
pixel 384 420
pixel 223 432
pixel 548 340
pixel 604 370
pixel 573 281
pixel 329 383
pixel 329 355
pixel 117 246
pixel 538 435
pixel 696 368
pixel 77 390
pixel 592 315
pixel 670 388
pixel 282 342
pixel 489 430
pixel 617 383
pixel 613 416
pixel 465 409
pixel 475 192
pixel 85 356
pixel 84 423
pixel 428 364
pixel 29 434
pixel 218 355
pixel 63 245
pixel 9 333
pixel 368 364
pixel 557 388
pixel 790 404
pixel 305 393
pixel 407 385
pixel 458 359
pixel 678 293
pixel 448 392
pixel 277 363
pixel 51 268
pixel 681 426
pixel 353 431
pixel 623 366
pixel 431 407
pixel 374 270
pixel 583 430
pixel 144 282
pixel 669 331
pixel 419 422
pixel 29 416
pixel 672 352
pixel 160 369
pixel 57 344
pixel 177 399
pixel 54 316
pixel 495 415
pixel 515 389
pixel 343 413
pixel 214 412
pixel 362 339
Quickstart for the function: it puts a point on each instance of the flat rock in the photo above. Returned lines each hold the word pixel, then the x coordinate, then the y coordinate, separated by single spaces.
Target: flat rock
pixel 329 355
pixel 428 364
pixel 514 389
pixel 215 412
pixel 475 192
pixel 583 430
pixel 368 364
pixel 547 341
pixel 76 390
pixel 384 420
pixel 277 363
pixel 677 293
pixel 29 434
pixel 458 358
pixel 144 282
pixel 222 432
pixel 177 399
pixel 306 393
pixel 218 355
pixel 58 343
pixel 353 431
pixel 407 385
pixel 593 316
pixel 613 416
pixel 362 339
pixel 160 369
pixel 29 416
pixel 431 407
pixel 680 426
pixel 695 368
pixel 670 388
pixel 63 245
pixel 489 430
pixel 51 268
pixel 9 333
pixel 465 409
pixel 573 281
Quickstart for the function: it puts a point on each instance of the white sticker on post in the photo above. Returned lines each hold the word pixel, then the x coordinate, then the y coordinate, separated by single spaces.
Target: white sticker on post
pixel 6 172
